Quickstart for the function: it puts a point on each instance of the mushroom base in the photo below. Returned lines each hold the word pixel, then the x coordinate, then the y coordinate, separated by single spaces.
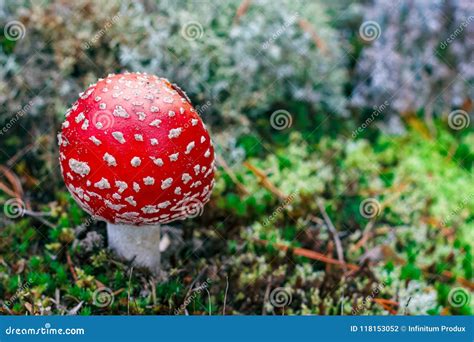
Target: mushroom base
pixel 138 244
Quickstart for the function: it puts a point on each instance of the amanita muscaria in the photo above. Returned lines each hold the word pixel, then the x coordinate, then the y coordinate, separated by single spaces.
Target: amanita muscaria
pixel 135 153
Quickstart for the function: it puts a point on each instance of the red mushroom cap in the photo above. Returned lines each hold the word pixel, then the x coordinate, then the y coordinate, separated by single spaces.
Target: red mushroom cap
pixel 133 150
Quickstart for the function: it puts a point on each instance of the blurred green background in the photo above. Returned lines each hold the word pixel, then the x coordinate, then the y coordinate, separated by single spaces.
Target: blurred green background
pixel 345 147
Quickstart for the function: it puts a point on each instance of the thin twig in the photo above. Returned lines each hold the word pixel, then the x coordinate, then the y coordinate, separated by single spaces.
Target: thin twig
pixel 387 301
pixel 221 161
pixel 36 213
pixel 321 257
pixel 20 153
pixel 6 190
pixel 266 295
pixel 153 291
pixel 308 28
pixel 310 254
pixel 265 182
pixel 342 302
pixel 387 304
pixel 71 266
pixel 333 231
pixel 209 300
pixel 365 236
pixel 191 286
pixel 398 190
pixel 448 274
pixel 14 181
pixel 128 292
pixel 225 294
pixel 39 217
pixel 241 10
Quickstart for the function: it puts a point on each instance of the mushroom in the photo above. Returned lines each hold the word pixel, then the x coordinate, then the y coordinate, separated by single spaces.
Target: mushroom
pixel 135 153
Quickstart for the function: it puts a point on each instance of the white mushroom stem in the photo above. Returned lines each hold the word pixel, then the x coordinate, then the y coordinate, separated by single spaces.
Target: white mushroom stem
pixel 140 244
